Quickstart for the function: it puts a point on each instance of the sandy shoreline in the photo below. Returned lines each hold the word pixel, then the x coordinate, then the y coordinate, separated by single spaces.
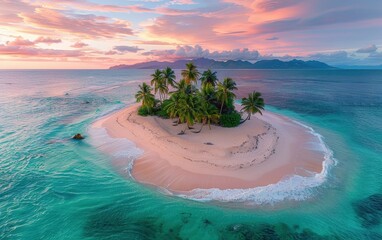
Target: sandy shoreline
pixel 261 151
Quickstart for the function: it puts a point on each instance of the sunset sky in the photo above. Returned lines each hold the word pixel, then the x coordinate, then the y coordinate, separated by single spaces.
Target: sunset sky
pixel 99 34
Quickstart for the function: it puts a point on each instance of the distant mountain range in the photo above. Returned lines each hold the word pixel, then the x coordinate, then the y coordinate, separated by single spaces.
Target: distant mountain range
pixel 230 64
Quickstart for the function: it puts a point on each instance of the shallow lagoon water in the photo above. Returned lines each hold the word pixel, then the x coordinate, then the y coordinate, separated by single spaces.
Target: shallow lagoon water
pixel 54 188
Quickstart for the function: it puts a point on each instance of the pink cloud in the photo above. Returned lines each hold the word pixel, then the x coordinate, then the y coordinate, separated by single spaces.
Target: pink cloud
pixel 20 41
pixel 24 51
pixel 227 24
pixel 272 5
pixel 111 52
pixel 90 6
pixel 183 28
pixel 10 9
pixel 123 49
pixel 153 42
pixel 47 40
pixel 89 26
pixel 79 45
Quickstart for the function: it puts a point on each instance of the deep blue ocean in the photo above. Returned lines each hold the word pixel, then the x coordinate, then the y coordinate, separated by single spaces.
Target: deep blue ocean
pixel 52 187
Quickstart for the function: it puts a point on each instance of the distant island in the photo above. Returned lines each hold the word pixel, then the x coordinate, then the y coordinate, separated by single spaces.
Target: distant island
pixel 206 63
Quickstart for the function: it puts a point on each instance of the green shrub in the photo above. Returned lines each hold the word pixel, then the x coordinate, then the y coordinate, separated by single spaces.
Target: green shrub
pixel 144 111
pixel 230 120
pixel 162 113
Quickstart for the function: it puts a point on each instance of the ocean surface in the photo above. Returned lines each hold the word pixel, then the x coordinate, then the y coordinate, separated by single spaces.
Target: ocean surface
pixel 52 187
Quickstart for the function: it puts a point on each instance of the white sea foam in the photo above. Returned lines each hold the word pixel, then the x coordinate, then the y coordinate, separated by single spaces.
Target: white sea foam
pixel 295 187
pixel 118 148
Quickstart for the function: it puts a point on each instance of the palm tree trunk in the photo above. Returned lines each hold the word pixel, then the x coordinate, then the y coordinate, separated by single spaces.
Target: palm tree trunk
pixel 176 123
pixel 247 118
pixel 199 129
pixel 221 108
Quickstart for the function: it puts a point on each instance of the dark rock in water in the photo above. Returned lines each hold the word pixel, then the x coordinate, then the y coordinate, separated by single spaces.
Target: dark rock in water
pixel 369 210
pixel 207 222
pixel 78 136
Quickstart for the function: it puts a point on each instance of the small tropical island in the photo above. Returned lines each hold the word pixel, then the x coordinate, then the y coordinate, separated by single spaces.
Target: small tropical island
pixel 212 103
pixel 196 135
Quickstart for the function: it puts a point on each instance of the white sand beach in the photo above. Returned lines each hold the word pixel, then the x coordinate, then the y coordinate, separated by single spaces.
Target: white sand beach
pixel 259 152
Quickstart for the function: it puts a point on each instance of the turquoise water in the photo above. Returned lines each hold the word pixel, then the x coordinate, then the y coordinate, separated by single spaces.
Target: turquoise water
pixel 54 188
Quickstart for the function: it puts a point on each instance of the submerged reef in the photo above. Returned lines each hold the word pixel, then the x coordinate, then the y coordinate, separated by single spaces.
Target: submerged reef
pixel 369 210
pixel 117 222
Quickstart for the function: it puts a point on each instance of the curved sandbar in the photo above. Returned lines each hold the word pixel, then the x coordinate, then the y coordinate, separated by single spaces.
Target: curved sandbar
pixel 261 151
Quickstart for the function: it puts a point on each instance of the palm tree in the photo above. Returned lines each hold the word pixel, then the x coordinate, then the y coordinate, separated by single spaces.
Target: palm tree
pixel 208 114
pixel 224 92
pixel 162 88
pixel 208 93
pixel 169 76
pixel 183 87
pixel 189 109
pixel 190 74
pixel 157 82
pixel 211 114
pixel 145 96
pixel 209 78
pixel 172 108
pixel 253 104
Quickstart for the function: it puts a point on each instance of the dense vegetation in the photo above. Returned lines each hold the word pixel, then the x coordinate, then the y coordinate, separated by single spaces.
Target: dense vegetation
pixel 212 103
